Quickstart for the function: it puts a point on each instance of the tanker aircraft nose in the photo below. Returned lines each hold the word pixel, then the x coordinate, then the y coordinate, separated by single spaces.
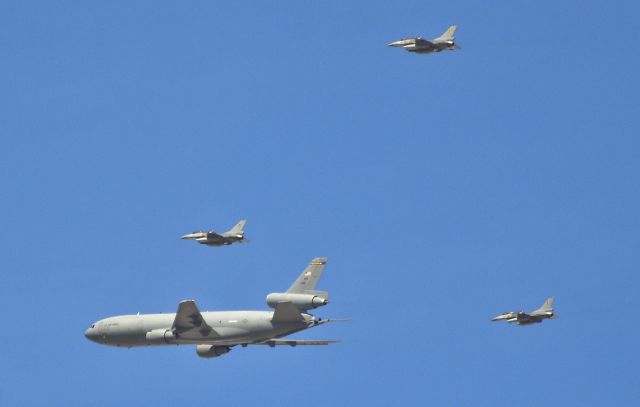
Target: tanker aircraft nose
pixel 92 333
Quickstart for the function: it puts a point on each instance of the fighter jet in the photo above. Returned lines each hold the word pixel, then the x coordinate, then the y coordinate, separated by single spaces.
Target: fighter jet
pixel 419 45
pixel 215 333
pixel 211 238
pixel 523 318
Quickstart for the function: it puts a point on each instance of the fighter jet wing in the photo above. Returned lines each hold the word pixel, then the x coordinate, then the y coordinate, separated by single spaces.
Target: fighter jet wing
pixel 213 235
pixel 294 342
pixel 189 322
pixel 524 317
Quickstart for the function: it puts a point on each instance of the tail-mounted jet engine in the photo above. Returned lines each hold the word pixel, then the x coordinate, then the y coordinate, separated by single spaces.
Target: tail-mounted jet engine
pixel 312 299
pixel 211 351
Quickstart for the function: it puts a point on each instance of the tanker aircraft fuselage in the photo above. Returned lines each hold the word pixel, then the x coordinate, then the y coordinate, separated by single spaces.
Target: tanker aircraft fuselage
pixel 232 328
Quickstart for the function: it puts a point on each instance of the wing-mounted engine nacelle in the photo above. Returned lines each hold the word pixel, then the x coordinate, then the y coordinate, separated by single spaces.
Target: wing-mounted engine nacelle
pixel 160 336
pixel 211 351
pixel 312 299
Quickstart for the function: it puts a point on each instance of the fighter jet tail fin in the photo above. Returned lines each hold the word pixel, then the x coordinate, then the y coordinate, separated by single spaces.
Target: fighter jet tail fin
pixel 547 306
pixel 448 35
pixel 308 280
pixel 238 229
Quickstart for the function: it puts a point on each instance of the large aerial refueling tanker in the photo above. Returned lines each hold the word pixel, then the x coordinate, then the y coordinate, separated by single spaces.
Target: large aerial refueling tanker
pixel 215 333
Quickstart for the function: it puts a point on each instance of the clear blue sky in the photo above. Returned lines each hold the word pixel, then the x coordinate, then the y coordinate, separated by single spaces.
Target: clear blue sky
pixel 444 189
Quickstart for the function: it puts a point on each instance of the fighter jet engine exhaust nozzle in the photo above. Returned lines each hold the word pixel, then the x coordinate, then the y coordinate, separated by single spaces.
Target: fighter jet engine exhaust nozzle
pixel 242 239
pixel 211 351
pixel 302 301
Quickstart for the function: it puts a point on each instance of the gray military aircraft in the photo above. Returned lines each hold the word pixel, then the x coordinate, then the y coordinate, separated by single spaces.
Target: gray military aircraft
pixel 523 318
pixel 215 333
pixel 211 238
pixel 419 45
